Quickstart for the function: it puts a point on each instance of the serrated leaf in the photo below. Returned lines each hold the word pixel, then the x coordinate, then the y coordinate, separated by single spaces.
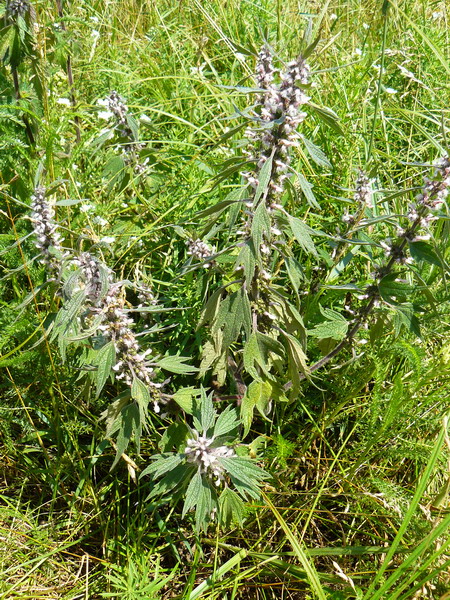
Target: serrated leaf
pixel 258 395
pixel 306 188
pixel 421 251
pixel 183 397
pixel 192 493
pixel 234 315
pixel 316 153
pixel 163 463
pixel 254 357
pixel 233 197
pixel 390 289
pixel 204 505
pixel 211 309
pixel 336 330
pixel 173 437
pixel 140 393
pixel 130 424
pixel 245 474
pixel 226 422
pixel 246 260
pixel 296 359
pixel 173 479
pixel 176 364
pixel 294 271
pixel 207 412
pixel 106 358
pixel 231 508
pixel 260 226
pixel 264 177
pixel 301 232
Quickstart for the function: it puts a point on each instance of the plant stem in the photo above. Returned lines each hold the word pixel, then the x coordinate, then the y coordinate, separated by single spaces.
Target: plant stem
pixel 69 74
pixel 30 135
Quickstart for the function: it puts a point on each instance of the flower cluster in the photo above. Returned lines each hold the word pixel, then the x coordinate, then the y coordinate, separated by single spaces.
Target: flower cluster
pixel 280 116
pixel 146 297
pixel 17 8
pixel 200 250
pixel 91 270
pixel 201 452
pixel 116 325
pixel 433 194
pixel 421 213
pixel 45 229
pixel 363 192
pixel 117 108
pixel 363 197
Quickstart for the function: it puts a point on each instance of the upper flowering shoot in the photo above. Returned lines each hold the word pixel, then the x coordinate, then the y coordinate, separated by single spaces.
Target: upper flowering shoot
pixel 200 451
pixel 17 8
pixel 279 116
pixel 117 108
pixel 433 195
pixel 116 325
pixel 48 239
pixel 95 276
pixel 363 192
pixel 200 250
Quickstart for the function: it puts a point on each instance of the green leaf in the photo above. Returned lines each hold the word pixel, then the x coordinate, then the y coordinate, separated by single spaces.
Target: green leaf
pixel 253 358
pixel 233 197
pixel 139 392
pixel 306 188
pixel 231 508
pixel 183 397
pixel 226 422
pixel 264 178
pixel 294 271
pixel 106 358
pixel 258 395
pixel 234 315
pixel 421 251
pixel 296 359
pixel 247 260
pixel 176 364
pixel 260 226
pixel 163 463
pixel 245 474
pixel 301 232
pixel 207 412
pixel 205 505
pixel 173 479
pixel 130 424
pixel 390 289
pixel 336 330
pixel 192 493
pixel 211 309
pixel 316 153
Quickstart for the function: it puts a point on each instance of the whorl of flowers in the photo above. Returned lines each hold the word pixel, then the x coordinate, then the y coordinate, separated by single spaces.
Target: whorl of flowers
pixel 420 214
pixel 363 197
pixel 433 194
pixel 200 451
pixel 146 297
pixel 116 325
pixel 200 250
pixel 280 116
pixel 45 228
pixel 17 8
pixel 117 108
pixel 91 270
pixel 363 192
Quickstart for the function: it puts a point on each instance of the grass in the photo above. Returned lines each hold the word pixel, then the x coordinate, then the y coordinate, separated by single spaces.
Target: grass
pixel 358 506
